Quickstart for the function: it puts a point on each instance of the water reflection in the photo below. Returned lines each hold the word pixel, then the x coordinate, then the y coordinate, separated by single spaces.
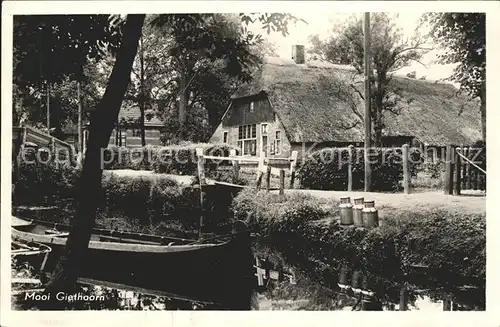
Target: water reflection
pixel 280 285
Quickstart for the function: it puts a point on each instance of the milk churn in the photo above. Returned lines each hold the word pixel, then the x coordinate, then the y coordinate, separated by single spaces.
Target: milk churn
pixel 357 212
pixel 356 280
pixel 343 279
pixel 345 211
pixel 370 215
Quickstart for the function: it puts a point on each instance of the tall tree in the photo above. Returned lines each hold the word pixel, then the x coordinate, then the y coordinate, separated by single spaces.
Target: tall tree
pixel 52 50
pixel 463 37
pixel 101 125
pixel 151 72
pixel 102 122
pixel 197 41
pixel 390 51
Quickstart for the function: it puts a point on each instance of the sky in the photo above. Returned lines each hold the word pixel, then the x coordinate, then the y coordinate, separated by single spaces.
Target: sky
pixel 321 23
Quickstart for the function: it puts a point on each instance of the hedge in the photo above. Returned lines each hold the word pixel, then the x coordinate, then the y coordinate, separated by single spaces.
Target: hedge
pixel 175 159
pixel 327 169
pixel 146 200
pixel 452 245
pixel 39 183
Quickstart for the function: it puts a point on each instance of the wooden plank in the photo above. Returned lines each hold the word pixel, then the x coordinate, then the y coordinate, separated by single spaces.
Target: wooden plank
pixel 236 165
pixel 201 166
pixel 282 182
pixel 260 170
pixel 268 178
pixel 293 166
pixel 448 177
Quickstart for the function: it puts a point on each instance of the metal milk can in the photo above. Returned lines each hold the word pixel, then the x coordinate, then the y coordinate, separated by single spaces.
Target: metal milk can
pixel 357 212
pixel 343 277
pixel 370 215
pixel 345 211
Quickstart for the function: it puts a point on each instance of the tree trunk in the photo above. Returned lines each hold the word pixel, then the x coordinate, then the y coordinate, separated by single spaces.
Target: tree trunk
pixel 80 120
pixel 48 107
pixel 89 187
pixel 142 101
pixel 183 114
pixel 482 96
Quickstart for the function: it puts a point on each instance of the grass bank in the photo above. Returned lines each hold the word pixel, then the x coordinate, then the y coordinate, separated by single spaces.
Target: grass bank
pixel 304 230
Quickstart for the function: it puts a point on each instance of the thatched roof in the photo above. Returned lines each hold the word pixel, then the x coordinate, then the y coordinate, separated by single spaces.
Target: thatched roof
pixel 309 99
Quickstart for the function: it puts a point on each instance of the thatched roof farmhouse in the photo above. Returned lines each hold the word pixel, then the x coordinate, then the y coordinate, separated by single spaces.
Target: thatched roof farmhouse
pixel 289 104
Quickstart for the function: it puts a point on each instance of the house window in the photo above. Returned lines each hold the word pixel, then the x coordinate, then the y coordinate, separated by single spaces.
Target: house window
pixel 224 137
pixel 277 148
pixel 123 138
pixel 264 129
pixel 251 106
pixel 136 132
pixel 247 139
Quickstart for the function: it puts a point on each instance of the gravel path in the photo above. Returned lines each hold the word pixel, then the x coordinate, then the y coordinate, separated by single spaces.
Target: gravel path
pixel 474 202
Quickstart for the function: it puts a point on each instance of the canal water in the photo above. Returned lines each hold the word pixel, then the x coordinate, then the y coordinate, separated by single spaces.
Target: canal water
pixel 279 285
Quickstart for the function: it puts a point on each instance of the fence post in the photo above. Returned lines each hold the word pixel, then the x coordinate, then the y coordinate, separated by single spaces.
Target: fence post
pixel 406 169
pixel 236 165
pixel 268 178
pixel 464 169
pixel 458 172
pixel 282 181
pixel 447 304
pixel 260 169
pixel 448 176
pixel 349 168
pixel 467 172
pixel 293 166
pixel 202 181
pixel 403 299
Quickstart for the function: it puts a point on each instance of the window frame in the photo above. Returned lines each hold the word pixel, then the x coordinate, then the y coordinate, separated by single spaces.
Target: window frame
pixel 247 135
pixel 278 142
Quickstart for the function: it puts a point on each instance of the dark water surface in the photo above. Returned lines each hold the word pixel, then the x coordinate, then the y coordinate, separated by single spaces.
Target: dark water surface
pixel 336 288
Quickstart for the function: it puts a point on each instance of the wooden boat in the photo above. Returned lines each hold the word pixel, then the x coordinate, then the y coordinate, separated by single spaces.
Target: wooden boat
pixel 215 270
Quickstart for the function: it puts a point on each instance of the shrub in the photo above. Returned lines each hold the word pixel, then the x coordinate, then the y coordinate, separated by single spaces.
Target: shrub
pixel 40 183
pixel 327 169
pixel 451 244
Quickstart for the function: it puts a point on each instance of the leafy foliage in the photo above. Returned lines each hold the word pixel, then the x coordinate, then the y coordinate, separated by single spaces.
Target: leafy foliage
pixel 40 183
pixel 463 36
pixel 390 51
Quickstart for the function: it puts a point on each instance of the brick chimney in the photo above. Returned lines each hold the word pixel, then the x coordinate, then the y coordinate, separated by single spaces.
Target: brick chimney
pixel 298 54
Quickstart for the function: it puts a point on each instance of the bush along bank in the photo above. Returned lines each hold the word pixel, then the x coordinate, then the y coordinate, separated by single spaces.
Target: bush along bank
pixel 152 200
pixel 327 169
pixel 451 246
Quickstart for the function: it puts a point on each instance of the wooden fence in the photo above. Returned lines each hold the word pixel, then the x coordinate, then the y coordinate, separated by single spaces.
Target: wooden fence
pixel 462 172
pixel 264 165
